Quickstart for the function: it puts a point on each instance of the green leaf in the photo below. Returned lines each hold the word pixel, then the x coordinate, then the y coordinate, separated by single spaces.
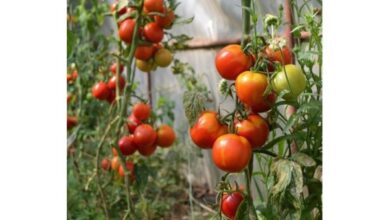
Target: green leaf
pixel 276 141
pixel 303 159
pixel 71 42
pixel 142 173
pixel 243 210
pixel 194 105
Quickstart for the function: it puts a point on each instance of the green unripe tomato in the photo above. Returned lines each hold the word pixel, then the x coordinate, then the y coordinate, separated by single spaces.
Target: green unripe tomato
pixel 293 81
pixel 145 66
pixel 163 57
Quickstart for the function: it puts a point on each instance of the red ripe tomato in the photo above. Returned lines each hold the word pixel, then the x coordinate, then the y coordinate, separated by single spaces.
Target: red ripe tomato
pixel 207 129
pixel 165 136
pixel 265 104
pixel 71 121
pixel 121 11
pixel 141 111
pixel 167 20
pixel 126 29
pixel 130 168
pixel 154 6
pixel 282 56
pixel 144 136
pixel 127 145
pixel 111 96
pixel 144 52
pixel 113 68
pixel 69 78
pixel 105 164
pixel 75 74
pixel 254 129
pixel 231 61
pixel 100 91
pixel 153 32
pixel 250 87
pixel 147 150
pixel 231 153
pixel 132 123
pixel 112 83
pixel 115 163
pixel 114 152
pixel 230 204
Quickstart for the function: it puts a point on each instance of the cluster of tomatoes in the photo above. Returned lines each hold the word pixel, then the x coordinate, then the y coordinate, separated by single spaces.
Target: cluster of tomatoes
pixel 106 91
pixel 151 53
pixel 232 151
pixel 142 138
pixel 71 121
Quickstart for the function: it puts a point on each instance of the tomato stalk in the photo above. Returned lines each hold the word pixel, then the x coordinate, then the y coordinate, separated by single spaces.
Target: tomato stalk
pixel 245 4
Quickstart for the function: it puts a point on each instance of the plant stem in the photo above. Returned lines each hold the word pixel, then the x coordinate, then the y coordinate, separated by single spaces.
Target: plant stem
pixel 245 4
pixel 248 177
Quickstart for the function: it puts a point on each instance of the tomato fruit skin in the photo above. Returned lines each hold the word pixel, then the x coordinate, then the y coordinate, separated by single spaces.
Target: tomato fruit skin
pixel 230 204
pixel 293 77
pixel 112 83
pixel 144 136
pixel 163 57
pixel 132 123
pixel 231 153
pixel 115 163
pixel 283 56
pixel 100 91
pixel 250 87
pixel 113 68
pixel 266 104
pixel 153 32
pixel 255 129
pixel 130 167
pixel 114 152
pixel 207 129
pixel 145 66
pixel 154 6
pixel 165 136
pixel 144 52
pixel 105 164
pixel 126 29
pixel 141 111
pixel 111 96
pixel 231 61
pixel 167 20
pixel 147 150
pixel 127 145
pixel 71 121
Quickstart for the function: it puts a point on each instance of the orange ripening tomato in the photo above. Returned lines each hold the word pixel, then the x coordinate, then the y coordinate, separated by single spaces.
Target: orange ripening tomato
pixel 165 136
pixel 105 164
pixel 141 111
pixel 126 29
pixel 112 83
pixel 282 56
pixel 255 129
pixel 75 74
pixel 144 52
pixel 250 87
pixel 132 123
pixel 113 68
pixel 71 121
pixel 144 135
pixel 114 152
pixel 231 153
pixel 207 129
pixel 100 90
pixel 127 145
pixel 153 32
pixel 154 6
pixel 230 204
pixel 147 150
pixel 167 20
pixel 115 163
pixel 130 168
pixel 231 61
